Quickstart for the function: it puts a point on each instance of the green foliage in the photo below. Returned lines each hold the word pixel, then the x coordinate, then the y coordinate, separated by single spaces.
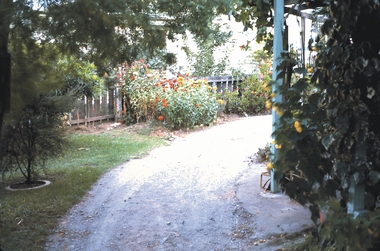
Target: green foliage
pixel 252 93
pixel 248 98
pixel 262 155
pixel 203 62
pixel 179 103
pixel 186 103
pixel 100 32
pixel 329 130
pixel 35 134
pixel 80 76
pixel 258 14
pixel 139 92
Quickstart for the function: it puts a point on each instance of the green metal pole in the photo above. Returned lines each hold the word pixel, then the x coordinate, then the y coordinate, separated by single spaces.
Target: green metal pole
pixel 277 49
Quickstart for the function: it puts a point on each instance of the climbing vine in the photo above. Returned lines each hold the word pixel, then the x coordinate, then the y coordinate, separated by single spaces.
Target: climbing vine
pixel 329 131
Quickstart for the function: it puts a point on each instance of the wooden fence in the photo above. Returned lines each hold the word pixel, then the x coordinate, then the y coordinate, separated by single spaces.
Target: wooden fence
pixel 108 107
pixel 92 110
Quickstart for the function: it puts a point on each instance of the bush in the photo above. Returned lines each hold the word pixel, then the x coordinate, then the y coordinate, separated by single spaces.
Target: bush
pixel 248 98
pixel 185 103
pixel 139 92
pixel 34 134
pixel 178 103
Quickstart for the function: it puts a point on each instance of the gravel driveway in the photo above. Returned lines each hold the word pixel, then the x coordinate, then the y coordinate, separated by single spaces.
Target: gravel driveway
pixel 179 197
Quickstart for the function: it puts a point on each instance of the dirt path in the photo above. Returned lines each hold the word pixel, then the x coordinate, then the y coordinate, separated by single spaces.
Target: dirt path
pixel 180 197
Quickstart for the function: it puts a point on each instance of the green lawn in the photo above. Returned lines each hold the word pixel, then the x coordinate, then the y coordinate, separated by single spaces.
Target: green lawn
pixel 28 217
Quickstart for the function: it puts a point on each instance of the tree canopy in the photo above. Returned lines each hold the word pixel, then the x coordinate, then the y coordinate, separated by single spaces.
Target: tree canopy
pixel 97 31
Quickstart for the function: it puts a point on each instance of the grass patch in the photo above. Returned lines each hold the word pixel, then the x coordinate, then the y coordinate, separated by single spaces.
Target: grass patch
pixel 28 217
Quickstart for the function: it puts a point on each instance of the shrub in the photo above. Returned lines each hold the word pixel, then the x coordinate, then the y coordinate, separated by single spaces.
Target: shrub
pixel 34 134
pixel 178 103
pixel 249 97
pixel 185 103
pixel 139 92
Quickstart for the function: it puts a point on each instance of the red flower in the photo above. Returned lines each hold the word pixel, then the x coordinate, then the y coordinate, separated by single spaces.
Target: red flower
pixel 157 84
pixel 164 101
pixel 160 118
pixel 142 61
pixel 166 105
pixel 133 77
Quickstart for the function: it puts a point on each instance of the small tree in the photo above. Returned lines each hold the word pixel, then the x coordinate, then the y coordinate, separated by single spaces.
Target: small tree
pixel 34 134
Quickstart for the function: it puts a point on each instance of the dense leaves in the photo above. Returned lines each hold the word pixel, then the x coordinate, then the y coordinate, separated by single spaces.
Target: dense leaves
pixel 330 136
pixel 35 134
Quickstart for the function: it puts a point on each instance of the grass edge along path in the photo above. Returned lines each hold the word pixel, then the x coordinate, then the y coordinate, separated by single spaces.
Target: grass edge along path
pixel 27 218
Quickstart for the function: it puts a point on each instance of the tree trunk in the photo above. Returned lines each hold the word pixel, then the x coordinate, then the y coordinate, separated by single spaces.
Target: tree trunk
pixel 5 60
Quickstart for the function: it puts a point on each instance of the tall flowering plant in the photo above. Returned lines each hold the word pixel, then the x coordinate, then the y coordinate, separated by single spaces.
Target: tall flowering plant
pixel 186 103
pixel 178 103
pixel 139 92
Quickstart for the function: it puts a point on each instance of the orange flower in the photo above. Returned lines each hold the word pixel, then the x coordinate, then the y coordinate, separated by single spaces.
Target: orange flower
pixel 160 118
pixel 157 84
pixel 198 105
pixel 133 77
pixel 157 100
pixel 141 60
pixel 166 105
pixel 164 101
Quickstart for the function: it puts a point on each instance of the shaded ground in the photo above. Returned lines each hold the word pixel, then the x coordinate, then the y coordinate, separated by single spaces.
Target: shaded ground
pixel 199 193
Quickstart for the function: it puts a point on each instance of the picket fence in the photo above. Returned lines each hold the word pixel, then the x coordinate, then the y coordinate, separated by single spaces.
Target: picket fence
pixel 108 107
pixel 94 110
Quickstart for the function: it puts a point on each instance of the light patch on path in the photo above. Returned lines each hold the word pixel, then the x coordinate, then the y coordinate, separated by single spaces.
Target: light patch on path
pixel 179 197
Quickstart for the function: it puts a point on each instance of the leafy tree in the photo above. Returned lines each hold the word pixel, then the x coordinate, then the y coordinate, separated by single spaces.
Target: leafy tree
pixel 100 31
pixel 34 134
pixel 203 61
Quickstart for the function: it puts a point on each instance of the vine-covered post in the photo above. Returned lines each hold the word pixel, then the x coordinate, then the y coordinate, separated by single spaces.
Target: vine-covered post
pixel 277 49
pixel 356 191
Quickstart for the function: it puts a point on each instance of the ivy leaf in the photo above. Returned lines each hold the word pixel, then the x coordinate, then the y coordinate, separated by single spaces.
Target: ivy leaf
pixel 301 199
pixel 294 136
pixel 331 187
pixel 346 54
pixel 300 71
pixel 328 140
pixel 331 113
pixel 369 200
pixel 342 169
pixel 359 177
pixel 361 63
pixel 314 209
pixel 301 84
pixel 291 155
pixel 345 183
pixel 371 68
pixel 342 123
pixel 374 176
pixel 360 110
pixel 336 51
pixel 314 98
